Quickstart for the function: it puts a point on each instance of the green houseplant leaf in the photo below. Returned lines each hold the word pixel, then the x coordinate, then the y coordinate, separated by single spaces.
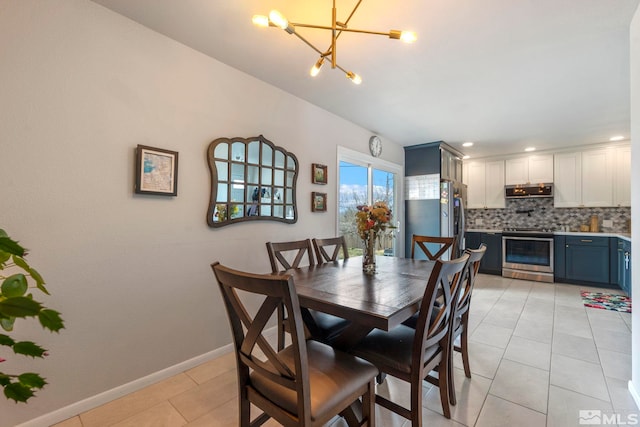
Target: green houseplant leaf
pixel 20 307
pixel 17 302
pixel 14 286
pixel 9 245
pixel 28 348
pixel 51 320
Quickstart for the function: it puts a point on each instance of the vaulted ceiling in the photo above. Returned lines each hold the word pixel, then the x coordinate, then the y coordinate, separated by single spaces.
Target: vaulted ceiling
pixel 505 74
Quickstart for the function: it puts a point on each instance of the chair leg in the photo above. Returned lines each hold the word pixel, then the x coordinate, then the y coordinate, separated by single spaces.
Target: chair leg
pixel 245 412
pixel 443 384
pixel 464 349
pixel 369 405
pixel 416 402
pixel 450 379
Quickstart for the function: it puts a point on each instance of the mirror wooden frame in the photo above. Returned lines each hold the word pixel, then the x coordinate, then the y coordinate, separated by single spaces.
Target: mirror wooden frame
pixel 251 179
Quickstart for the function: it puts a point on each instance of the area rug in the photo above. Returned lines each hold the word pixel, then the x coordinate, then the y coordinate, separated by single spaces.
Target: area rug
pixel 606 301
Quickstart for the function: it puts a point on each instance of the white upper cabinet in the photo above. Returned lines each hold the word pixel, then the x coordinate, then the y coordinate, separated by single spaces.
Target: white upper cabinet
pixel 485 184
pixel 593 178
pixel 597 177
pixel 529 170
pixel 622 177
pixel 568 180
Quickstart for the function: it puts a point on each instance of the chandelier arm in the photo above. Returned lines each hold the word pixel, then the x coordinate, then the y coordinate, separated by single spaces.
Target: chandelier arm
pixel 350 30
pixel 308 43
pixel 322 54
pixel 352 12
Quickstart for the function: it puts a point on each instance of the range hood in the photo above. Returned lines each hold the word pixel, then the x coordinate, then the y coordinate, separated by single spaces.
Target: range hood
pixel 528 190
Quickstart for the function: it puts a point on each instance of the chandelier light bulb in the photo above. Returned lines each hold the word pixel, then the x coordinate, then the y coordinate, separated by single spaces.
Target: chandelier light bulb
pixel 278 19
pixel 316 68
pixel 408 36
pixel 356 79
pixel 260 20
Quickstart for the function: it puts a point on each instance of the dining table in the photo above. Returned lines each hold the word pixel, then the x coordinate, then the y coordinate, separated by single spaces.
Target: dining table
pixel 382 300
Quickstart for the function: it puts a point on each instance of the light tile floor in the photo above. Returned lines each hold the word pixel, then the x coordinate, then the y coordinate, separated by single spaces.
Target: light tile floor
pixel 538 356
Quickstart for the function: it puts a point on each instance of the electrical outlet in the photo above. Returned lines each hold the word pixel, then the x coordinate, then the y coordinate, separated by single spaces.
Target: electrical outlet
pixel 479 221
pixel 607 223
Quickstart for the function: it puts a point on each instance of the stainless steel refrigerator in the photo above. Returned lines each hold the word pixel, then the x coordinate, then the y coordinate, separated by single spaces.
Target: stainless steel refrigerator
pixel 434 207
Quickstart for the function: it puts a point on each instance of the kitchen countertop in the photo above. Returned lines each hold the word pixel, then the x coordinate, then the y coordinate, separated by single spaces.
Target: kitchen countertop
pixel 626 236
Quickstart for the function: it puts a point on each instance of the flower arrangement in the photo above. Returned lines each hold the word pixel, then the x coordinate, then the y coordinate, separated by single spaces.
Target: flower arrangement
pixel 372 221
pixel 376 218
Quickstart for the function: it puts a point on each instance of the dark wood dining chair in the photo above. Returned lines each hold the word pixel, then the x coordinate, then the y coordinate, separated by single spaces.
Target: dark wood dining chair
pixel 333 245
pixel 460 326
pixel 321 326
pixel 444 243
pixel 304 385
pixel 411 354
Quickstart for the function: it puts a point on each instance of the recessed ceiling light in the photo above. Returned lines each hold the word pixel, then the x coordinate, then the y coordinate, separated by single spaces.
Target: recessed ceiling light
pixel 467 144
pixel 616 138
pixel 530 149
pixel 466 157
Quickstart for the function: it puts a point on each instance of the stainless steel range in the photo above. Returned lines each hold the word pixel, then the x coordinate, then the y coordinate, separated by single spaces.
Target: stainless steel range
pixel 527 253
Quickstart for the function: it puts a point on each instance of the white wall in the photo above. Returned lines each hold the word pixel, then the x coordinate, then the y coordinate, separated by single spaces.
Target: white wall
pixel 80 87
pixel 635 200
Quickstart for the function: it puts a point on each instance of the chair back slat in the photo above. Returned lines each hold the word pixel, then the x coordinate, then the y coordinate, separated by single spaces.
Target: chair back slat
pixel 469 278
pixel 321 246
pixel 281 252
pixel 443 286
pixel 444 243
pixel 253 350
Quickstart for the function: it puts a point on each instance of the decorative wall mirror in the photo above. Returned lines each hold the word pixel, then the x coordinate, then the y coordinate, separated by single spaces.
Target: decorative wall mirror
pixel 251 179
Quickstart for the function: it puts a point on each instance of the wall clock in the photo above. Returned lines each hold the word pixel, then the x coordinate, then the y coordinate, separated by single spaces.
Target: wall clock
pixel 375 146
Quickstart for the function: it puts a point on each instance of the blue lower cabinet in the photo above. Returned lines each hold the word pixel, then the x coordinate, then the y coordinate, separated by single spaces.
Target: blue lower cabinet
pixel 559 259
pixel 587 259
pixel 623 265
pixel 492 260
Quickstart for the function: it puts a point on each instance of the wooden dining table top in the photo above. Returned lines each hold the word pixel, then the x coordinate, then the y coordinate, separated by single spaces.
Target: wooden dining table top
pixel 382 300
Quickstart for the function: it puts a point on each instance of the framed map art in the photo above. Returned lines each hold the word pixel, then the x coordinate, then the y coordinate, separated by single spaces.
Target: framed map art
pixel 156 171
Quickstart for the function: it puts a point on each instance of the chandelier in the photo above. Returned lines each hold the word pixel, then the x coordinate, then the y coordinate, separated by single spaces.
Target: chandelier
pixel 276 19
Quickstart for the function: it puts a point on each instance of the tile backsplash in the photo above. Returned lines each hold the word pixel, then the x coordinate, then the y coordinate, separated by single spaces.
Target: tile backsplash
pixel 544 215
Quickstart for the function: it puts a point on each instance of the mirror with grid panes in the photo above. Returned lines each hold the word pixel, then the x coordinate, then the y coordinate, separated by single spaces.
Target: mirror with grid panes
pixel 251 179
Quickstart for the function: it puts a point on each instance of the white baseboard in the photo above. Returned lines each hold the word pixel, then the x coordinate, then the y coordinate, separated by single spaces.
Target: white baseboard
pixel 635 394
pixel 76 408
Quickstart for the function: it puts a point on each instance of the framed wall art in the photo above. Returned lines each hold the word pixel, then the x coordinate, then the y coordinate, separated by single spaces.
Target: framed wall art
pixel 318 174
pixel 156 171
pixel 318 202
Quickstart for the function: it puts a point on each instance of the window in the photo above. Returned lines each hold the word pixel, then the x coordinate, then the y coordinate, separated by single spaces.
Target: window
pixel 364 180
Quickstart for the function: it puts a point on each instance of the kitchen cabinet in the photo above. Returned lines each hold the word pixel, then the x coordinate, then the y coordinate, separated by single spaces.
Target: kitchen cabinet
pixel 593 178
pixel 492 260
pixel 485 184
pixel 529 170
pixel 450 166
pixel 622 176
pixel 623 261
pixel 587 259
pixel 559 259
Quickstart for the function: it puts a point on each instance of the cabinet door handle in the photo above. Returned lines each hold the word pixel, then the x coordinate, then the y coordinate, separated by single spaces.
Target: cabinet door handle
pixel 586 240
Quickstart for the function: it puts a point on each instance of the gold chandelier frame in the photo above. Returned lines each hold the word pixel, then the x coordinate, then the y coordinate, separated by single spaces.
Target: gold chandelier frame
pixel 276 19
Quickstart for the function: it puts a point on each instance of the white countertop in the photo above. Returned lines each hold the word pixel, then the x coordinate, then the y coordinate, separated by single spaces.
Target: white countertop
pixel 626 236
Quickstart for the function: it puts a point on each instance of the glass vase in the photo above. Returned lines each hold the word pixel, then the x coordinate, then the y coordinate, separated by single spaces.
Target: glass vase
pixel 368 255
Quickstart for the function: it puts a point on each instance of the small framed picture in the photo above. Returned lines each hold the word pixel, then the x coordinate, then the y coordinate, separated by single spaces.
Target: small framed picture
pixel 318 202
pixel 318 174
pixel 156 171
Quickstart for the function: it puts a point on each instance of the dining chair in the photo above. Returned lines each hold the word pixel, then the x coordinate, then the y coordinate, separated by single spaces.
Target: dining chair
pixel 460 327
pixel 411 354
pixel 421 241
pixel 321 326
pixel 307 383
pixel 321 245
